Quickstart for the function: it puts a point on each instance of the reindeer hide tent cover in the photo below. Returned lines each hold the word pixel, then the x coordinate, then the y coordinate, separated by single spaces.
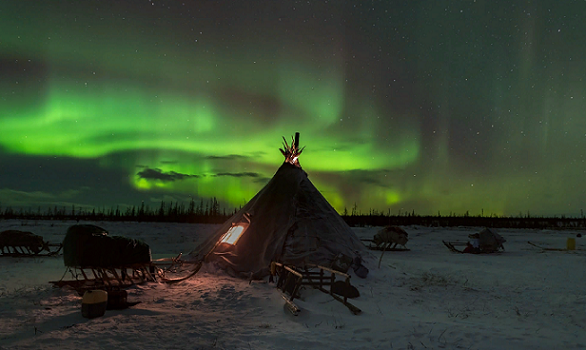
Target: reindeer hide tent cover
pixel 288 221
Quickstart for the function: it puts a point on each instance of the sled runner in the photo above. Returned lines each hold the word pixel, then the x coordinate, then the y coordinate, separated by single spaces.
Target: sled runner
pixel 95 277
pixel 551 249
pixel 172 270
pixel 167 270
pixel 452 248
pixel 384 247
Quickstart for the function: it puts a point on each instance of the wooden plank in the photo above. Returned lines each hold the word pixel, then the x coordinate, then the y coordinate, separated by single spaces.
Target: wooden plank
pixel 549 249
pixel 354 309
pixel 388 249
pixel 294 309
pixel 339 273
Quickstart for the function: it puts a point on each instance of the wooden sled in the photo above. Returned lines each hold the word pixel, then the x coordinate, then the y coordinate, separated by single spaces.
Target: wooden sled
pixel 452 247
pixel 373 246
pixel 23 251
pixel 291 279
pixel 23 243
pixel 85 278
pixel 552 249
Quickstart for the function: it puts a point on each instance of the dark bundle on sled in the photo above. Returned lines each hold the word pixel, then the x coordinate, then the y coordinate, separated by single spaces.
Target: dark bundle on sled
pixel 486 241
pixel 23 243
pixel 96 260
pixel 89 245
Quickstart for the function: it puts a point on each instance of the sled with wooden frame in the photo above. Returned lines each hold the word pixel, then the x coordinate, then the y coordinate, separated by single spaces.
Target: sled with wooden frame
pixel 23 251
pixel 452 247
pixel 384 247
pixel 167 270
pixel 552 249
pixel 85 278
pixel 18 243
pixel 290 279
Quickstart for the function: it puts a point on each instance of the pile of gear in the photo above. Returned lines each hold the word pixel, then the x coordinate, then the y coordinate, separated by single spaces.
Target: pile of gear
pixel 484 242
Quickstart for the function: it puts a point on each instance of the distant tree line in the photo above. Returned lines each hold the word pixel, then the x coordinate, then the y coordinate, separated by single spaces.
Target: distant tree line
pixel 209 212
pixel 522 221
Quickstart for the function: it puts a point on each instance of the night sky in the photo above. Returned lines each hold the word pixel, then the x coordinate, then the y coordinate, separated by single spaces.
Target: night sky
pixel 430 106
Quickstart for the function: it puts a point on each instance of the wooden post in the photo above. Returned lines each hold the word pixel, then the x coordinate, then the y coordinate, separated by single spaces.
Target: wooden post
pixel 332 280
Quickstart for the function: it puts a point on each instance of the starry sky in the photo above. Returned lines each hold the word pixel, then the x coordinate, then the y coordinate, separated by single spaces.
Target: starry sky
pixel 437 107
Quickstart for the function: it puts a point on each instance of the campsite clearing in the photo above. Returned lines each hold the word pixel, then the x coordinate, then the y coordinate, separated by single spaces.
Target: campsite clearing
pixel 523 298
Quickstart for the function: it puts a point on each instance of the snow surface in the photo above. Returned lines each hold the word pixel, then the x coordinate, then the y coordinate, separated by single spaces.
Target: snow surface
pixel 425 298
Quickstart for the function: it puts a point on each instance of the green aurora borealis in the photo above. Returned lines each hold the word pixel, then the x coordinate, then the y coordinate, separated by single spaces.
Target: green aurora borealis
pixel 431 106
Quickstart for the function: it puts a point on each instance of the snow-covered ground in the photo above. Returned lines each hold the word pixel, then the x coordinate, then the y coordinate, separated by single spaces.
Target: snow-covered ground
pixel 425 298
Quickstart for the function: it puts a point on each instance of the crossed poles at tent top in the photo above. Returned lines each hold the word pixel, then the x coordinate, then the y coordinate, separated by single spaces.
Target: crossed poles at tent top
pixel 292 152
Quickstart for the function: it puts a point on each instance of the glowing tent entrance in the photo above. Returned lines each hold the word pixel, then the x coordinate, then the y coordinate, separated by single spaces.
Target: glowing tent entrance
pixel 288 221
pixel 235 232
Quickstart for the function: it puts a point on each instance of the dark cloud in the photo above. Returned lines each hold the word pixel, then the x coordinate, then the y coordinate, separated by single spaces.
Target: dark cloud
pixel 374 177
pixel 229 157
pixel 23 199
pixel 158 174
pixel 243 174
pixel 33 181
pixel 262 180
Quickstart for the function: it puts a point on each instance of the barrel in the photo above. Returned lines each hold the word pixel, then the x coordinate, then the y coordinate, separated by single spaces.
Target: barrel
pixel 571 244
pixel 94 303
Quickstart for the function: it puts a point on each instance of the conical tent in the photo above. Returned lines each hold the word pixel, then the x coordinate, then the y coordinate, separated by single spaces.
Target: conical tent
pixel 288 221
